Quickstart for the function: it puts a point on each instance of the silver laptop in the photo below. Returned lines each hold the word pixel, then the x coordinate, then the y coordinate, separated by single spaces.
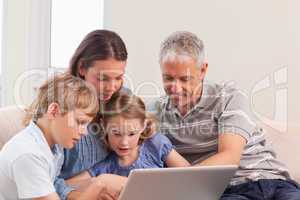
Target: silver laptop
pixel 192 183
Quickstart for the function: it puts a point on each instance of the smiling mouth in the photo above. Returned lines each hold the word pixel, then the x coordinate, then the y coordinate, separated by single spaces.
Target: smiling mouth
pixel 178 95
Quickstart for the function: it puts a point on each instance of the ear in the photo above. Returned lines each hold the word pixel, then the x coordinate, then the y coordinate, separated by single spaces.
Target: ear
pixel 81 70
pixel 53 110
pixel 203 70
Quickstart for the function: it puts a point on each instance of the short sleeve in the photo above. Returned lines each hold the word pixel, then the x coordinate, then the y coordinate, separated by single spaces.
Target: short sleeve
pixel 160 146
pixel 235 115
pixel 32 176
pixel 102 167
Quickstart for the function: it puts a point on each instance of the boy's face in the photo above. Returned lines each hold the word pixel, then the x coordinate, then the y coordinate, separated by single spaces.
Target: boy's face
pixel 68 128
pixel 123 135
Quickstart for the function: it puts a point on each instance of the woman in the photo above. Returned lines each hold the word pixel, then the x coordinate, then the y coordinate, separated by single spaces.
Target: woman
pixel 100 59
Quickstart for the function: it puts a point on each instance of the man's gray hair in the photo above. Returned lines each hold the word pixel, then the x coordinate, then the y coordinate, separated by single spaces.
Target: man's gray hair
pixel 180 45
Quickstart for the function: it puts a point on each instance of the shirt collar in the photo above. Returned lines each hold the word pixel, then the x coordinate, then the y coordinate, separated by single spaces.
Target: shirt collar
pixel 202 103
pixel 39 136
pixel 199 105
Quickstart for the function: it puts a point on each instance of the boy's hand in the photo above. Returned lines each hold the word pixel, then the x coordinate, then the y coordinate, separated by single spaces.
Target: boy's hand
pixel 90 189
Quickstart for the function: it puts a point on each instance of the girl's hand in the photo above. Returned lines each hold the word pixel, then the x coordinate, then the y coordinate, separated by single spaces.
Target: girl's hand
pixel 174 159
pixel 113 183
pixel 107 195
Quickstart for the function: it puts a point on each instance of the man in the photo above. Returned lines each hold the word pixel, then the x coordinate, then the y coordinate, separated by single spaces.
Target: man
pixel 210 124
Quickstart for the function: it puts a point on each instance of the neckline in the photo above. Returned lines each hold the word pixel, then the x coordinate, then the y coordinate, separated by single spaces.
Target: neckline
pixel 133 164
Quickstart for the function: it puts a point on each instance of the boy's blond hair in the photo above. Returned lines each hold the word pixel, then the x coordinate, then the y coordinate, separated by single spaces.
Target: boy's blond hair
pixel 69 92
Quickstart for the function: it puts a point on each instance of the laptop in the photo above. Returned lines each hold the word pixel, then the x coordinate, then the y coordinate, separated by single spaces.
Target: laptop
pixel 191 183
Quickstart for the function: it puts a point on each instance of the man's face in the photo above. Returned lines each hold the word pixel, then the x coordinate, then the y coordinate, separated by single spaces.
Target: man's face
pixel 182 81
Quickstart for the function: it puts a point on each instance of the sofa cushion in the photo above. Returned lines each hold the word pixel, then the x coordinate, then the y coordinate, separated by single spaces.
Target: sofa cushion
pixel 286 145
pixel 10 122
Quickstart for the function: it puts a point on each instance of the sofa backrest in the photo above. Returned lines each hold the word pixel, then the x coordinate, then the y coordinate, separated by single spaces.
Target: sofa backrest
pixel 287 147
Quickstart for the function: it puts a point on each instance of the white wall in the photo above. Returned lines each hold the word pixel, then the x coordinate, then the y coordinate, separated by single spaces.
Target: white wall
pixel 26 48
pixel 13 44
pixel 68 30
pixel 26 43
pixel 246 41
pixel 255 43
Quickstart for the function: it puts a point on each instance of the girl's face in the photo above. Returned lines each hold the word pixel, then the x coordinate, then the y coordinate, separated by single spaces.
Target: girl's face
pixel 123 135
pixel 106 76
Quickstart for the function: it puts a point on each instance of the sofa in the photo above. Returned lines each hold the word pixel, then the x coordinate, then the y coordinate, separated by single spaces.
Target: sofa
pixel 286 144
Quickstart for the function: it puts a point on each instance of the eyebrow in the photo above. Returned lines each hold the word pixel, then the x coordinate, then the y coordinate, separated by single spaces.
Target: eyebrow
pixel 104 75
pixel 83 119
pixel 120 75
pixel 166 75
pixel 186 77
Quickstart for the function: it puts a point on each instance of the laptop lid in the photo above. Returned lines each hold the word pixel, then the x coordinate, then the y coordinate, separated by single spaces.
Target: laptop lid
pixel 205 183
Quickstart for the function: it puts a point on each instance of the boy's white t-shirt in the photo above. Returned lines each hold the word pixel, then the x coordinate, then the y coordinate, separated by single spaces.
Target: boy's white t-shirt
pixel 28 166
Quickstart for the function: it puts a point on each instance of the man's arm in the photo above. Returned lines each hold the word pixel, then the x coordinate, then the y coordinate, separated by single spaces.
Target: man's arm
pixel 230 148
pixel 235 127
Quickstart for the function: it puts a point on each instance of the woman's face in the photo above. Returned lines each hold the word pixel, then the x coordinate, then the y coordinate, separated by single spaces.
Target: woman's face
pixel 106 76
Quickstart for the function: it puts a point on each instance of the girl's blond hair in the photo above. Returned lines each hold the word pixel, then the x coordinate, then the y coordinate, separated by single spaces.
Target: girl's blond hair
pixel 129 107
pixel 69 92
